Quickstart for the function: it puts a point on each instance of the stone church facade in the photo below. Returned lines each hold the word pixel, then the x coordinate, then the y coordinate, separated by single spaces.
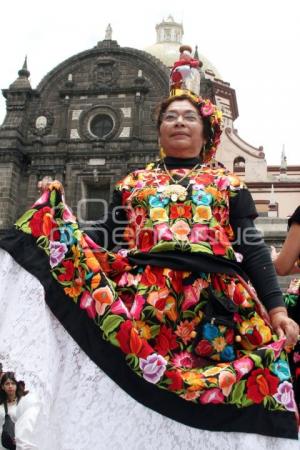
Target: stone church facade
pixel 91 120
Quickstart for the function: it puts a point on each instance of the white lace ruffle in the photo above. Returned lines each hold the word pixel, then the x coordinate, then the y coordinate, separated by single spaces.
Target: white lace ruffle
pixel 83 408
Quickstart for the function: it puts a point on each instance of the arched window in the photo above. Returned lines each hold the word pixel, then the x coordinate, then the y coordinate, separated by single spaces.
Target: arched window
pixel 239 164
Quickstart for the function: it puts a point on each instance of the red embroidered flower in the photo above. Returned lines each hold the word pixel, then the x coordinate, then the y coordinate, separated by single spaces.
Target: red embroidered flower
pixel 204 178
pixel 179 210
pixel 153 276
pixel 69 271
pixel 130 341
pixel 42 222
pixel 176 277
pixel 165 341
pixel 261 384
pixel 177 382
pixel 204 348
pixel 145 240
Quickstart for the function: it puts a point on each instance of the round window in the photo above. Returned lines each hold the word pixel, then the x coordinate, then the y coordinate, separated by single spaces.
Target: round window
pixel 101 125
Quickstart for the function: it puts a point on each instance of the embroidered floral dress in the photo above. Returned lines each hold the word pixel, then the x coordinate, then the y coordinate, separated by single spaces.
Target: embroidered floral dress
pixel 187 335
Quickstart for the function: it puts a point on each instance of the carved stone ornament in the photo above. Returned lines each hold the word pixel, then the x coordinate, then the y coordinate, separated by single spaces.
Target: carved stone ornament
pixel 106 73
pixel 42 123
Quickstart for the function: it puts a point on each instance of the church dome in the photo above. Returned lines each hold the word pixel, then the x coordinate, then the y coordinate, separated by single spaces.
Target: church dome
pixel 168 40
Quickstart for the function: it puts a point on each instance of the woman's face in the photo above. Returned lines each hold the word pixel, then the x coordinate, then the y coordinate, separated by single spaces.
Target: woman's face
pixel 181 130
pixel 9 387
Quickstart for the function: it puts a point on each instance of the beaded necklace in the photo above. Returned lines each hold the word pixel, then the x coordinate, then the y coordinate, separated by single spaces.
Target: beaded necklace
pixel 174 191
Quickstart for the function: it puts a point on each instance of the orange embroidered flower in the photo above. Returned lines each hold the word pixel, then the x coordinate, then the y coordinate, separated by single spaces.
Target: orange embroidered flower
pixel 95 281
pixel 185 331
pixel 226 381
pixel 179 210
pixel 104 298
pixel 158 214
pixel 146 192
pixel 164 304
pixel 203 213
pixel 73 291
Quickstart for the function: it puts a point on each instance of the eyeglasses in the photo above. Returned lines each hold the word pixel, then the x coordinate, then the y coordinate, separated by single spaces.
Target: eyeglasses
pixel 171 117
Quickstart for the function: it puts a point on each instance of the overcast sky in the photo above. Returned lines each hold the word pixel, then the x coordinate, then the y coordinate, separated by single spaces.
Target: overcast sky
pixel 253 44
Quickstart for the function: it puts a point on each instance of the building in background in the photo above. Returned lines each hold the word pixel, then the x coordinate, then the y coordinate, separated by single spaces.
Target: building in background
pixel 91 120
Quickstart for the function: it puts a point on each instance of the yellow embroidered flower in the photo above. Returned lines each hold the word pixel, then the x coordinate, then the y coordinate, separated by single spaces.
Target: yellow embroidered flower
pixel 203 213
pixel 143 329
pixel 194 379
pixel 219 343
pixel 158 215
pixel 212 371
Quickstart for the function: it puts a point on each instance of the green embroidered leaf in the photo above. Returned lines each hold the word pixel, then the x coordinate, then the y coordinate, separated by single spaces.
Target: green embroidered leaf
pixel 113 340
pixel 111 323
pixel 188 315
pixel 246 401
pixel 133 361
pixel 238 392
pixel 154 330
pixel 26 216
pixel 53 196
pixel 201 248
pixel 256 359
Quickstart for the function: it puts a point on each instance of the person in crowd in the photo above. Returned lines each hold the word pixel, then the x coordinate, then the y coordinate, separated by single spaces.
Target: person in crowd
pixel 21 408
pixel 172 317
pixel 287 262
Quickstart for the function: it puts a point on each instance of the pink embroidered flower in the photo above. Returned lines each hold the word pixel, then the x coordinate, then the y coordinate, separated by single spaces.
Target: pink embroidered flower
pixel 214 395
pixel 88 303
pixel 57 252
pixel 243 366
pixel 153 367
pixel 180 229
pixel 285 396
pixel 296 357
pixel 118 307
pixel 184 359
pixel 162 232
pixel 277 347
pixel 222 183
pixel 199 233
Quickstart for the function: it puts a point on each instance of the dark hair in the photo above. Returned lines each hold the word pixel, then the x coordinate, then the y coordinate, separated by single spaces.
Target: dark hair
pixel 20 391
pixel 163 106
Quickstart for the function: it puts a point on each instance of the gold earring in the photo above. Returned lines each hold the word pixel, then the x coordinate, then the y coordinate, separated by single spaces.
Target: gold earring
pixel 162 153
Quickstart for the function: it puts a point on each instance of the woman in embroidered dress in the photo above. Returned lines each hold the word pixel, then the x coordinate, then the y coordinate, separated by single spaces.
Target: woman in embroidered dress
pixel 172 317
pixel 22 408
pixel 287 262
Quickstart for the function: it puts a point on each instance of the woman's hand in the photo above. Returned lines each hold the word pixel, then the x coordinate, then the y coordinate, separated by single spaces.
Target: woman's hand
pixel 284 326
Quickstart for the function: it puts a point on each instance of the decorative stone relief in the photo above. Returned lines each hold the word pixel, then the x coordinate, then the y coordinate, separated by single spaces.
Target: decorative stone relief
pixel 106 73
pixel 42 123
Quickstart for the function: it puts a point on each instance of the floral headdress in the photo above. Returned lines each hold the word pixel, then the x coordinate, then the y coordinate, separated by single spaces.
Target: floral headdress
pixel 185 81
